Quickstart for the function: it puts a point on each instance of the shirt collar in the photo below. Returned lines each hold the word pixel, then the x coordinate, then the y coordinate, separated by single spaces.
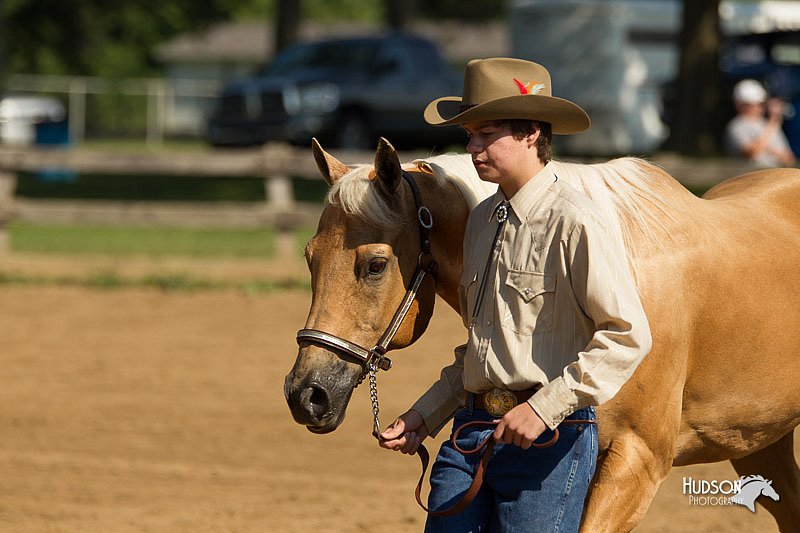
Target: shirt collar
pixel 522 201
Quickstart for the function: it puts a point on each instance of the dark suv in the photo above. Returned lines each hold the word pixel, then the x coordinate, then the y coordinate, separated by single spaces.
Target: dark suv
pixel 345 92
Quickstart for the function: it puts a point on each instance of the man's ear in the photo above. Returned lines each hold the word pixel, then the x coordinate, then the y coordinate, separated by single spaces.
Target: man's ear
pixel 534 135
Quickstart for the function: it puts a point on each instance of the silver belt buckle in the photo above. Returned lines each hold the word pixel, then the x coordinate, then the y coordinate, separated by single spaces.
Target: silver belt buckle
pixel 499 401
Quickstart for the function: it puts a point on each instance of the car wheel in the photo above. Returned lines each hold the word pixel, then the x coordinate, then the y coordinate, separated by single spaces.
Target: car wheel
pixel 353 133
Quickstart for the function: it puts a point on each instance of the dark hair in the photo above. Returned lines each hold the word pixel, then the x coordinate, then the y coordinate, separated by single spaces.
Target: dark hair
pixel 522 127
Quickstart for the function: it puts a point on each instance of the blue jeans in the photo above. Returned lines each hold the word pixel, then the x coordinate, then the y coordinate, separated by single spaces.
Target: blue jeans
pixel 534 490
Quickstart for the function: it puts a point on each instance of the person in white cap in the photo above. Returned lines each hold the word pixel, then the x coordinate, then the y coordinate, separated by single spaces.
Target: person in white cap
pixel 555 323
pixel 752 135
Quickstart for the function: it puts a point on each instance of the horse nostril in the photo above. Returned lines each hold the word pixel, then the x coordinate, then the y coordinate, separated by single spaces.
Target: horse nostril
pixel 316 400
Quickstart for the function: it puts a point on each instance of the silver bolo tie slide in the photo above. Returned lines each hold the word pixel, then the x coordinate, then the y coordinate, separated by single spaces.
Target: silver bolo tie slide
pixel 502 213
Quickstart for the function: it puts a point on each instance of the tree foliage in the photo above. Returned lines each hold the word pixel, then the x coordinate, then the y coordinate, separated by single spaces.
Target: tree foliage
pixel 323 10
pixel 458 9
pixel 97 37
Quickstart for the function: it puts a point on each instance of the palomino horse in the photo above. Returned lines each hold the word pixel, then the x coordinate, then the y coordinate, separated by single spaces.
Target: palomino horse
pixel 719 279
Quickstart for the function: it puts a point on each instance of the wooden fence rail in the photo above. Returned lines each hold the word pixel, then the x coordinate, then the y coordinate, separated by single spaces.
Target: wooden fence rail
pixel 274 164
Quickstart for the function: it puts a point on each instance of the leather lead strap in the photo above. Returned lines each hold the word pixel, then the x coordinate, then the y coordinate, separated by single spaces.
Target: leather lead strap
pixel 487 445
pixel 471 492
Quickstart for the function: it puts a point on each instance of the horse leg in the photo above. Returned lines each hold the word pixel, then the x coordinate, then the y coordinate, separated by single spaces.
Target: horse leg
pixel 776 462
pixel 627 477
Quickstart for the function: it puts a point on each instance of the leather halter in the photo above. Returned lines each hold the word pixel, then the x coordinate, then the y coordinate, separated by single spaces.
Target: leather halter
pixel 376 356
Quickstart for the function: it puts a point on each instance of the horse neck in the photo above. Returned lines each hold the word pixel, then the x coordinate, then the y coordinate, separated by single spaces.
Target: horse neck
pixel 450 212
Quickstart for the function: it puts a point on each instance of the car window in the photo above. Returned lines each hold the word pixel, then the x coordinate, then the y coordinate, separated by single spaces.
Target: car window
pixel 344 55
pixel 289 60
pixel 409 59
pixel 395 60
pixel 426 58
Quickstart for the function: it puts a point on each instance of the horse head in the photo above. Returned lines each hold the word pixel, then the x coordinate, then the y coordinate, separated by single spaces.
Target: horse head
pixel 769 491
pixel 362 258
pixel 751 487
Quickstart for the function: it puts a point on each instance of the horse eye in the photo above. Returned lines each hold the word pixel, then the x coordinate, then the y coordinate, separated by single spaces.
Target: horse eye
pixel 376 266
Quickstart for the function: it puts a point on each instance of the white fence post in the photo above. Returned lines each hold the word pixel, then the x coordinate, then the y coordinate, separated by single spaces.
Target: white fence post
pixel 155 113
pixel 279 196
pixel 77 109
pixel 279 193
pixel 8 186
pixel 280 200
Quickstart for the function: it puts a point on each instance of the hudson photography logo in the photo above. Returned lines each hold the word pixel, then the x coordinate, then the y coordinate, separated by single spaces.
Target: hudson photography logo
pixel 743 491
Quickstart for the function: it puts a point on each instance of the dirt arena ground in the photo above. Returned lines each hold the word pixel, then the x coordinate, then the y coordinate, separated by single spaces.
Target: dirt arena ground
pixel 141 410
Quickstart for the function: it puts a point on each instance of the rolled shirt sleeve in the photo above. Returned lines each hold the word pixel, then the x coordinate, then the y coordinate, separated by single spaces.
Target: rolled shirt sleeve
pixel 604 288
pixel 445 396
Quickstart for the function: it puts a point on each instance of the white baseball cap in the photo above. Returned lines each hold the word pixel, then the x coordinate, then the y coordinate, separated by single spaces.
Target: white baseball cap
pixel 749 92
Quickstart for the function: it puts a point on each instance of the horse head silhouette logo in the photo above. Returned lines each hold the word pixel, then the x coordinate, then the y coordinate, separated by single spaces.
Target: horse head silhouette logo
pixel 751 487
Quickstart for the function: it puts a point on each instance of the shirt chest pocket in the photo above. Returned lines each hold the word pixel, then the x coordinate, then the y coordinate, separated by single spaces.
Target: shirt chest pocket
pixel 528 299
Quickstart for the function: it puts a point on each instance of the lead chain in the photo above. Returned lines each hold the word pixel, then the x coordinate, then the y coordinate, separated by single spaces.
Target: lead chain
pixel 373 396
pixel 360 379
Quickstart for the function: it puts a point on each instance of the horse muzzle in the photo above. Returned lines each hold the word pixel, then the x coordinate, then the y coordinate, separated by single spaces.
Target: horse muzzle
pixel 317 402
pixel 309 403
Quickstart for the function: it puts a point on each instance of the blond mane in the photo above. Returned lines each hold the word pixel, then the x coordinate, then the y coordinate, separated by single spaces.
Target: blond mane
pixel 638 197
pixel 356 195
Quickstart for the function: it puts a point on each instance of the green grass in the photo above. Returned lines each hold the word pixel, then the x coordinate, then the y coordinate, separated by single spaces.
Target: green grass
pixel 167 283
pixel 302 236
pixel 142 241
pixel 125 241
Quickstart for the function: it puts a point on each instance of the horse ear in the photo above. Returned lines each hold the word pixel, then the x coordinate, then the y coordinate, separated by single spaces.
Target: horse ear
pixel 331 168
pixel 387 166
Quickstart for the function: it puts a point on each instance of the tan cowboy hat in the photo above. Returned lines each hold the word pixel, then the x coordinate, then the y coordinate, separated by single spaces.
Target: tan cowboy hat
pixel 505 88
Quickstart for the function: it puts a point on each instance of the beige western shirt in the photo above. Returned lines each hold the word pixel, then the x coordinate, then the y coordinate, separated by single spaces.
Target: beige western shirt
pixel 559 309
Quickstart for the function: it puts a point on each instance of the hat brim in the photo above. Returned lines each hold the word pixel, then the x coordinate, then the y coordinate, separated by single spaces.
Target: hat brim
pixel 565 117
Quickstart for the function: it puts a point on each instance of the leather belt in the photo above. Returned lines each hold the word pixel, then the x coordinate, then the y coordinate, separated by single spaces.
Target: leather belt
pixel 498 402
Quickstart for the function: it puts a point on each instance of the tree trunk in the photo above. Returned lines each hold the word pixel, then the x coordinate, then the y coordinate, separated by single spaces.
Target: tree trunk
pixel 287 24
pixel 3 58
pixel 399 13
pixel 696 127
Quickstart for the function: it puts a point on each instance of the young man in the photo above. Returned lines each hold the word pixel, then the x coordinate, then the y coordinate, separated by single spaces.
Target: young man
pixel 554 319
pixel 753 136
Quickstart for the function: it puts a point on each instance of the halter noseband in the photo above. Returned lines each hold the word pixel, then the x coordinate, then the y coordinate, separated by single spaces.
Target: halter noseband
pixel 375 358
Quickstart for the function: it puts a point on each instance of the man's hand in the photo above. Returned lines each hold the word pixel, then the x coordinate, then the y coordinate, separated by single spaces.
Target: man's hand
pixel 520 426
pixel 775 107
pixel 405 434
